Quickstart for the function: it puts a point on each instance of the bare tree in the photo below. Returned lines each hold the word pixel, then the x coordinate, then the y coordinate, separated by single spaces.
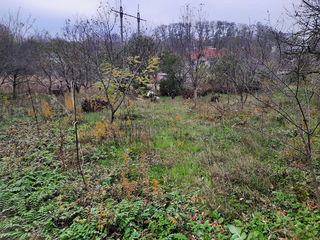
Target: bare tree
pixel 307 17
pixel 193 40
pixel 291 83
pixel 124 68
pixel 17 53
pixel 90 52
pixel 6 40
pixel 46 63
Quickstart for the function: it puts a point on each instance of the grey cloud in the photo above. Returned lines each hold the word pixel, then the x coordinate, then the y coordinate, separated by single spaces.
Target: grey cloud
pixel 156 12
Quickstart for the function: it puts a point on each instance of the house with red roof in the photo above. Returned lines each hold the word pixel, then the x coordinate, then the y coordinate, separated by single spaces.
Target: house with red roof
pixel 206 55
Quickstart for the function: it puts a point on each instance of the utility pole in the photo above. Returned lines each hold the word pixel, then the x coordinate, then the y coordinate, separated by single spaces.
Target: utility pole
pixel 138 20
pixel 121 21
pixel 121 13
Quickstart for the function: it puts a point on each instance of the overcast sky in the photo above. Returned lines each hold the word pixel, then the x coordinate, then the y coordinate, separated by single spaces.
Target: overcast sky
pixel 50 14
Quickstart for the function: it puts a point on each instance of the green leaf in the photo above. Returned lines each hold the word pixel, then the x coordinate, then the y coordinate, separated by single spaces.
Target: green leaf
pixel 236 233
pixel 178 236
pixel 235 230
pixel 253 235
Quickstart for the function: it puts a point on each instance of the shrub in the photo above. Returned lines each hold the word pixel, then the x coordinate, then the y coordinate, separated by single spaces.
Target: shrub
pixel 69 101
pixel 168 85
pixel 45 109
pixel 93 105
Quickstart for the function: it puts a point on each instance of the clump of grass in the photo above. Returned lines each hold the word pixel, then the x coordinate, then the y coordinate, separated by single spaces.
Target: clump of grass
pixel 45 109
pixel 69 101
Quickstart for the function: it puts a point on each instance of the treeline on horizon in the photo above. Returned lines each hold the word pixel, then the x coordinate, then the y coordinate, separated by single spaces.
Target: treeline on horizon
pixel 76 53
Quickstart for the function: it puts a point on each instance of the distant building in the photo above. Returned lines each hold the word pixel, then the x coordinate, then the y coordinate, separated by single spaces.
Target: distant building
pixel 155 81
pixel 206 55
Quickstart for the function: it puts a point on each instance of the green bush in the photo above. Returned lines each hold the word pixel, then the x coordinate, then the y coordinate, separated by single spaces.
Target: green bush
pixel 168 85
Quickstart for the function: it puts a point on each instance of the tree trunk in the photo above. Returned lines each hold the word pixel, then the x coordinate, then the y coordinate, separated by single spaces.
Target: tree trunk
pixel 313 174
pixel 315 182
pixel 195 93
pixel 50 87
pixel 77 89
pixel 112 113
pixel 69 88
pixel 77 140
pixel 243 97
pixel 34 109
pixel 14 86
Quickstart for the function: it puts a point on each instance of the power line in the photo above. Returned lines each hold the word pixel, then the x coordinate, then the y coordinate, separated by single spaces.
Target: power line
pixel 121 13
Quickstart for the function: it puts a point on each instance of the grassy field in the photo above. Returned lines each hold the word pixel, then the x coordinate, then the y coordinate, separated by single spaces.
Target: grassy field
pixel 170 170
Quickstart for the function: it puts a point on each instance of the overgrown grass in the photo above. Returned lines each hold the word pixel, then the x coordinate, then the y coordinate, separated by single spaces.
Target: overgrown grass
pixel 172 170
